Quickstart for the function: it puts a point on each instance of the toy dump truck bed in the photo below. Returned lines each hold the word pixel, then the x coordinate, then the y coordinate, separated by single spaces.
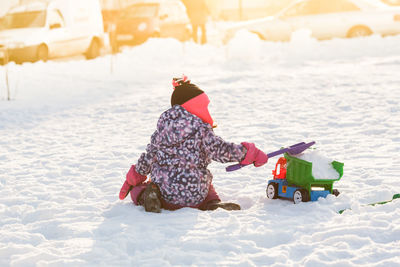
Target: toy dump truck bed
pixel 299 172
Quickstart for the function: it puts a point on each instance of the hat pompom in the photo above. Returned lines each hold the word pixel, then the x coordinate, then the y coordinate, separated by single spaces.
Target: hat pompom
pixel 184 90
pixel 180 81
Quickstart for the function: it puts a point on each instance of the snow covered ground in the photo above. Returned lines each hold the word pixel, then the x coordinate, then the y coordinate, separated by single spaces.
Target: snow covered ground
pixel 73 128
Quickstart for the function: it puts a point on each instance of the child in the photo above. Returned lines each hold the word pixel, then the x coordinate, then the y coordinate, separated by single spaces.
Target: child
pixel 178 155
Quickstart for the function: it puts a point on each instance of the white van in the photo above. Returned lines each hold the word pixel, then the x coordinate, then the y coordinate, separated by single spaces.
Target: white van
pixel 43 30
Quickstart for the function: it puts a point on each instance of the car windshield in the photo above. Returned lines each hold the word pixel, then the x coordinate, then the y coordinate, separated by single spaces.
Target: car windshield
pixel 316 7
pixel 30 19
pixel 142 11
pixel 301 9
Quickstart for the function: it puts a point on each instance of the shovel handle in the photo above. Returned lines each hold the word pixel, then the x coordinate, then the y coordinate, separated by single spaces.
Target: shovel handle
pixel 238 166
pixel 294 149
pixel 235 167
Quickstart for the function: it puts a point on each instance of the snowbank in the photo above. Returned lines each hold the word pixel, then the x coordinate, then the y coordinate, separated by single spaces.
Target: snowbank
pixel 73 128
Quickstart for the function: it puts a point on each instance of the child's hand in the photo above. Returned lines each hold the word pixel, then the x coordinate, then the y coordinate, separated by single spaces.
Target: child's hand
pixel 254 155
pixel 125 189
pixel 132 178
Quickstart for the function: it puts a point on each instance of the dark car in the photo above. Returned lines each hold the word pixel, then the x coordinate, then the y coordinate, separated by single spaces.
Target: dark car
pixel 138 22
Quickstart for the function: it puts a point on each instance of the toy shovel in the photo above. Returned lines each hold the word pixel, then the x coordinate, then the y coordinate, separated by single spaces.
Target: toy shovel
pixel 292 150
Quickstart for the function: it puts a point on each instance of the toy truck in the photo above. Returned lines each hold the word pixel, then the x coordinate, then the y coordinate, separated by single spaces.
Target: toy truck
pixel 293 179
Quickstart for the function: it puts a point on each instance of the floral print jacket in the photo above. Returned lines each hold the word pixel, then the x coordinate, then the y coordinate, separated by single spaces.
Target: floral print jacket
pixel 178 155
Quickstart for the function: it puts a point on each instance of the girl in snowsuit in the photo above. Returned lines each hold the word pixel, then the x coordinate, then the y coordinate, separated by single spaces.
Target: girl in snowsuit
pixel 177 157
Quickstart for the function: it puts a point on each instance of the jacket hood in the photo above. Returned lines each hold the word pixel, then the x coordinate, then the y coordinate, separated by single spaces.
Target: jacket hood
pixel 176 125
pixel 199 107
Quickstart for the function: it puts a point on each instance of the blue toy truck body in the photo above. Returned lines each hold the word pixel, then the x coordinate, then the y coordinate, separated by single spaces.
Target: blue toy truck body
pixel 287 191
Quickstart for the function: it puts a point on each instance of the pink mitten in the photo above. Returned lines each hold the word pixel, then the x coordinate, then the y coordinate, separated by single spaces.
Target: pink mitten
pixel 254 155
pixel 125 189
pixel 132 178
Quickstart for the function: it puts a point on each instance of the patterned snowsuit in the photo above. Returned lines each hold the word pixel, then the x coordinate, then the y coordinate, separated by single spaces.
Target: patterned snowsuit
pixel 178 155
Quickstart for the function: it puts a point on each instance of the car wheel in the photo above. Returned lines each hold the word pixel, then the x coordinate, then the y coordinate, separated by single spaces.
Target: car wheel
pixel 300 195
pixel 272 191
pixel 42 53
pixel 156 35
pixel 94 50
pixel 359 31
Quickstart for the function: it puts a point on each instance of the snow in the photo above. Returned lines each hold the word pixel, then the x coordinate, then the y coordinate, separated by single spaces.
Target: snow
pixel 73 128
pixel 321 165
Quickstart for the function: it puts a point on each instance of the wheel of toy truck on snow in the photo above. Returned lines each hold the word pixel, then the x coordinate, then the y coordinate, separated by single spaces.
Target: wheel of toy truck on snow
pixel 300 196
pixel 272 191
pixel 335 192
pixel 306 195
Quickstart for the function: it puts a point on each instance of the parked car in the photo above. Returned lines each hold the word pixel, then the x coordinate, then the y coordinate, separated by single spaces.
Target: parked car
pixel 391 2
pixel 326 19
pixel 138 22
pixel 39 31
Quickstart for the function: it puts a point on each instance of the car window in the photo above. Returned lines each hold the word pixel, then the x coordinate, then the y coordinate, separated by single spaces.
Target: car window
pixel 171 12
pixel 304 8
pixel 175 13
pixel 25 20
pixel 314 7
pixel 348 6
pixel 181 12
pixel 55 18
pixel 328 6
pixel 140 11
pixel 165 12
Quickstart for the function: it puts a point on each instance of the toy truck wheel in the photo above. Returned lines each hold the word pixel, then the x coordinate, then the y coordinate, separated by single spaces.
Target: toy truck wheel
pixel 335 192
pixel 272 191
pixel 300 196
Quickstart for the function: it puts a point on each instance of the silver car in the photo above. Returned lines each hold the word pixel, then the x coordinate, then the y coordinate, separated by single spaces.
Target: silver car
pixel 326 19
